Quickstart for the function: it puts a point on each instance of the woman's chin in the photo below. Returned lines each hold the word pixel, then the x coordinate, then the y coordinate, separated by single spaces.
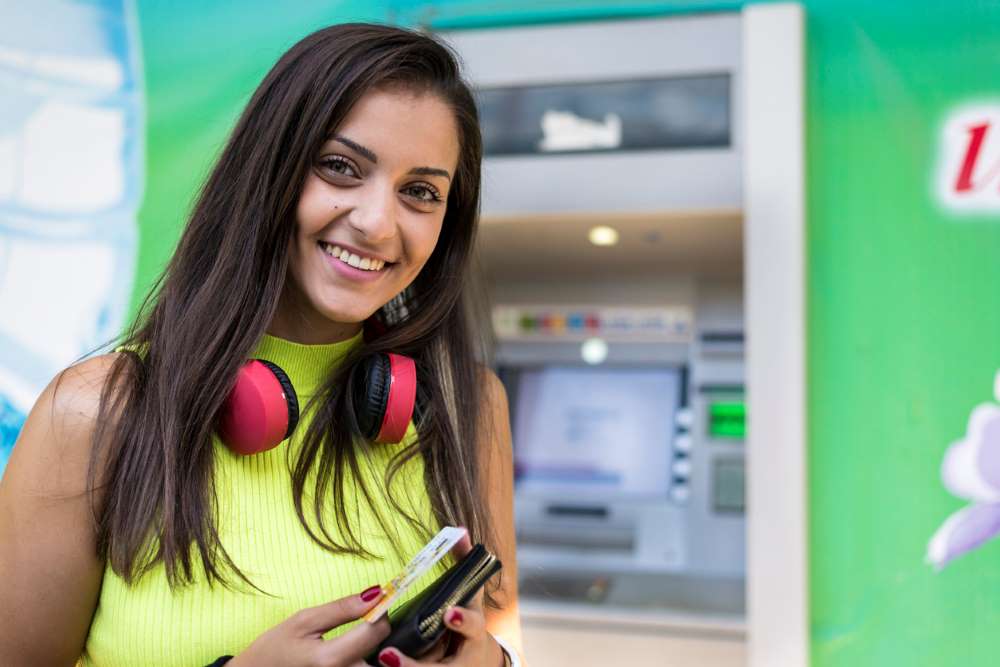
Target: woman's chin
pixel 344 316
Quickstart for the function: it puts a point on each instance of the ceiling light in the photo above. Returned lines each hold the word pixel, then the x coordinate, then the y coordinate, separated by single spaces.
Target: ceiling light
pixel 603 235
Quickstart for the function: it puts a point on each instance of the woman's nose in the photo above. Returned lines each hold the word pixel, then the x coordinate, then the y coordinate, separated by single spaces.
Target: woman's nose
pixel 374 216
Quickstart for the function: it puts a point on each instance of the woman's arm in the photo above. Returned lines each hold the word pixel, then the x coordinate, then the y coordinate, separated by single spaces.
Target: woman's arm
pixel 49 569
pixel 498 473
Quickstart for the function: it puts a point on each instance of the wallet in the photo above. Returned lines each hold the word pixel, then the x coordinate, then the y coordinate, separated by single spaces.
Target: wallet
pixel 418 624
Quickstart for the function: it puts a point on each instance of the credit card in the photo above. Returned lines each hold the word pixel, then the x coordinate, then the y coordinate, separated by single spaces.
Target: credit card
pixel 418 566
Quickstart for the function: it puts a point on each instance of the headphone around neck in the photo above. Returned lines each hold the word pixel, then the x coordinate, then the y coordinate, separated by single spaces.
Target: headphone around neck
pixel 262 409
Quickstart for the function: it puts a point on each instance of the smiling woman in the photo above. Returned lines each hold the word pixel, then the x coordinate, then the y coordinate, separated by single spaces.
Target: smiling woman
pixel 370 199
pixel 336 226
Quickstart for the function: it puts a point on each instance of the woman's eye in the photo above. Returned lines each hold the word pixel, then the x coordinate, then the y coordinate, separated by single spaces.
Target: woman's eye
pixel 423 193
pixel 338 165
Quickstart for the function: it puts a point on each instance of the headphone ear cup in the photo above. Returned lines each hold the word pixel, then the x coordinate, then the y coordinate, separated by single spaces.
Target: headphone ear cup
pixel 261 409
pixel 291 398
pixel 372 395
pixel 385 408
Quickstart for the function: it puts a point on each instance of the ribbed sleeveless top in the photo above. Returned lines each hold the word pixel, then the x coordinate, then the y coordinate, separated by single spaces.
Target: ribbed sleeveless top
pixel 149 624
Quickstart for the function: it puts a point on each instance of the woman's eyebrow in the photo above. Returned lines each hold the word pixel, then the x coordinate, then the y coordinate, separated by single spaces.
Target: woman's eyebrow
pixel 430 171
pixel 358 148
pixel 371 157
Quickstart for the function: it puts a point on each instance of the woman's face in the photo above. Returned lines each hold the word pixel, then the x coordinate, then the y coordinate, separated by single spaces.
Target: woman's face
pixel 370 213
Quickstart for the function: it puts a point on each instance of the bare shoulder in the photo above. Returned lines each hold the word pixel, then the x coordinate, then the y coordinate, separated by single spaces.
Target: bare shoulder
pixel 494 422
pixel 493 392
pixel 494 419
pixel 53 449
pixel 76 392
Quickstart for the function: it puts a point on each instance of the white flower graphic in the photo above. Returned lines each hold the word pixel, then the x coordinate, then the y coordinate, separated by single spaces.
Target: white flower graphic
pixel 971 471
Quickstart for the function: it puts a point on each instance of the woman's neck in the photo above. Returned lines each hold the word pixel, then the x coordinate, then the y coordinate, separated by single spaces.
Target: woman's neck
pixel 313 334
pixel 302 325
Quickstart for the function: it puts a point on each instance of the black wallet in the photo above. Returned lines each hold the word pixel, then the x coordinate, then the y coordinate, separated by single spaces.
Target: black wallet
pixel 418 624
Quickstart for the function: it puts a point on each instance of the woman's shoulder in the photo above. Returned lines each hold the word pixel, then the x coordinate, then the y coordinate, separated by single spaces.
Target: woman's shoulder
pixel 75 394
pixel 493 392
pixel 494 416
pixel 58 432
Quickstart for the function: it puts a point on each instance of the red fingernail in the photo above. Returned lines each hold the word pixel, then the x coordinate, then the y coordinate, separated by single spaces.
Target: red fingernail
pixel 388 658
pixel 455 617
pixel 370 594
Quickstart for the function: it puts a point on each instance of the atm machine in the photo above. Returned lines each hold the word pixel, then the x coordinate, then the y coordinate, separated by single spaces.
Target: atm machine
pixel 629 465
pixel 623 361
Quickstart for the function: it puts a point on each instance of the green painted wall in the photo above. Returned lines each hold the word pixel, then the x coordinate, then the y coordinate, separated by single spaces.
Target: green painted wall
pixel 903 297
pixel 904 331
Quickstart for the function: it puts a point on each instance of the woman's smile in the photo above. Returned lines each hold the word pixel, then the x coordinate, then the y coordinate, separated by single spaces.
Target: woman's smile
pixel 352 264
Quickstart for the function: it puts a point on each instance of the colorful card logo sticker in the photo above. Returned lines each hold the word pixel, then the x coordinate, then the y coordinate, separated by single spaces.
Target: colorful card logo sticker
pixel 968 176
pixel 971 471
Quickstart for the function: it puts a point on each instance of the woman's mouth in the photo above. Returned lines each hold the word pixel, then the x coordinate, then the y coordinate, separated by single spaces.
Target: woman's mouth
pixel 352 266
pixel 351 259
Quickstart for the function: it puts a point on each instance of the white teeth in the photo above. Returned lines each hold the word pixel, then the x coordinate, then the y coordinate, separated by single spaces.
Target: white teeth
pixel 346 256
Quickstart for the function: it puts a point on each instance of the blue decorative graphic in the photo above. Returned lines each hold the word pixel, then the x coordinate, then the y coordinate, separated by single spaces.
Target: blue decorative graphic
pixel 70 185
pixel 11 421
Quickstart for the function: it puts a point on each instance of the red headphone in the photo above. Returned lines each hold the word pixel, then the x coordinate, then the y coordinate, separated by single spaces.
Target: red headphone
pixel 262 409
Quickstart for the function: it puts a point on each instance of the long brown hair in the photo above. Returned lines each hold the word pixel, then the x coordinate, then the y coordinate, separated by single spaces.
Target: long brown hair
pixel 220 290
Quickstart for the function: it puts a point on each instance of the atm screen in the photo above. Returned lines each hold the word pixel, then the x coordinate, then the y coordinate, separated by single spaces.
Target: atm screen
pixel 594 432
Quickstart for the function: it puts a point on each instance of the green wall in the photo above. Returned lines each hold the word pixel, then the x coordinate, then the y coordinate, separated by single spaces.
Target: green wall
pixel 903 297
pixel 904 326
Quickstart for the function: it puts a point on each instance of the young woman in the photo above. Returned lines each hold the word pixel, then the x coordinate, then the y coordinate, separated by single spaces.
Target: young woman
pixel 338 223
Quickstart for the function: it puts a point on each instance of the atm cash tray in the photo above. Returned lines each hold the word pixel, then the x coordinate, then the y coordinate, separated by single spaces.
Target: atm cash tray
pixel 688 595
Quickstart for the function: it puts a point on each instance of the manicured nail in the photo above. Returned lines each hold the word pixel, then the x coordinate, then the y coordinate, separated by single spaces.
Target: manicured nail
pixel 388 658
pixel 455 618
pixel 370 594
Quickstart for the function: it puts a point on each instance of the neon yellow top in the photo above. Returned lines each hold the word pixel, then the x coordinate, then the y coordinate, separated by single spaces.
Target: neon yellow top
pixel 148 624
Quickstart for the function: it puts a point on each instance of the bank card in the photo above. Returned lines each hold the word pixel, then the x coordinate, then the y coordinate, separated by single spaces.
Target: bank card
pixel 419 565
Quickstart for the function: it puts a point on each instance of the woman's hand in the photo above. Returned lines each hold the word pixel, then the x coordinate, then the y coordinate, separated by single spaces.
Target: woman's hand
pixel 298 641
pixel 470 645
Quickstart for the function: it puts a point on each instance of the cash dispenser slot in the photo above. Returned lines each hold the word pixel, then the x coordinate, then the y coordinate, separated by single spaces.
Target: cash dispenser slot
pixel 578 527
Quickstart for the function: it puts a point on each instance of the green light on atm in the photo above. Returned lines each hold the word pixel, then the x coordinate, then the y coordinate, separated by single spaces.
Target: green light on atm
pixel 727 419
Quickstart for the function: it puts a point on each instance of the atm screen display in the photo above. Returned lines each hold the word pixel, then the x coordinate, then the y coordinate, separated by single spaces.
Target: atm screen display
pixel 593 431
